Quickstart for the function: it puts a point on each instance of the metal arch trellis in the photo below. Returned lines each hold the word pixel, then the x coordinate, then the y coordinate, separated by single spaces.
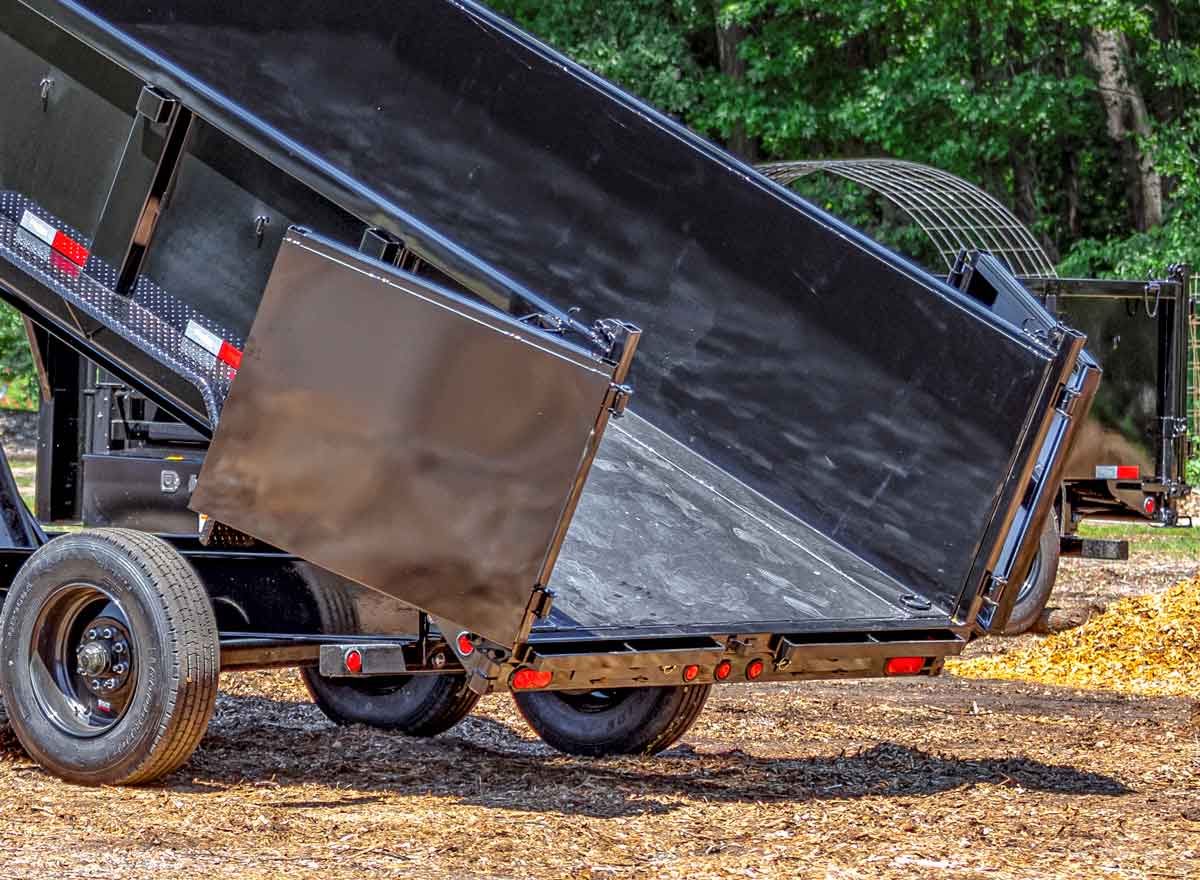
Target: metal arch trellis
pixel 953 212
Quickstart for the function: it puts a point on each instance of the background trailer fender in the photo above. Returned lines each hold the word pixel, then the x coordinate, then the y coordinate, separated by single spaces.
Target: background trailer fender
pixel 362 286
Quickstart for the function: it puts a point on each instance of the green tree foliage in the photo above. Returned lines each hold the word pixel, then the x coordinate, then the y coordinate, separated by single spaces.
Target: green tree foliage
pixel 18 384
pixel 1001 92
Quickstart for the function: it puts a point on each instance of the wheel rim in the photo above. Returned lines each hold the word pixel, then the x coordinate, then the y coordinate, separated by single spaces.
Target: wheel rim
pixel 82 660
pixel 1031 579
pixel 600 700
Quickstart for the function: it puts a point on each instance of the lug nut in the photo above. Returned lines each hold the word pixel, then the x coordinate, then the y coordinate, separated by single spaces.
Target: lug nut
pixel 95 684
pixel 110 685
pixel 119 668
pixel 80 671
pixel 91 635
pixel 108 633
pixel 119 648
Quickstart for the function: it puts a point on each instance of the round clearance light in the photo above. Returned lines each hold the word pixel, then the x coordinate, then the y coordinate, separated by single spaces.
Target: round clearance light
pixel 353 662
pixel 754 669
pixel 466 644
pixel 723 670
pixel 1149 505
pixel 690 672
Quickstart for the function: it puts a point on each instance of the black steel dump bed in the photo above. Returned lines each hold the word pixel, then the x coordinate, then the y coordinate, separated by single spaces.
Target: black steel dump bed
pixel 826 438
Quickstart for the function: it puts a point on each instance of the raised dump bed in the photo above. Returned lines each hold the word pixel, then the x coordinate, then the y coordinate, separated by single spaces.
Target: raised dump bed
pixel 367 284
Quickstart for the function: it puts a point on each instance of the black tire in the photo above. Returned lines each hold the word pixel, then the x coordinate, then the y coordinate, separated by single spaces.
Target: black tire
pixel 416 705
pixel 1038 584
pixel 102 597
pixel 619 721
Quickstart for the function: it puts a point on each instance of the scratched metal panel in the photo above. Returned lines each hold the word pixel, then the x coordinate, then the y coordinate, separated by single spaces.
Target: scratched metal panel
pixel 664 542
pixel 401 437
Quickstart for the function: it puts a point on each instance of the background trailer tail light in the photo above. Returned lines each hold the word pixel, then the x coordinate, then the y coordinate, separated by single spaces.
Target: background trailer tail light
pixel 904 665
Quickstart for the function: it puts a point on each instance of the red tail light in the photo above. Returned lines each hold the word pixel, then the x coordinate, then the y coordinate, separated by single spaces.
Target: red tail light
pixel 690 672
pixel 904 665
pixel 466 646
pixel 754 669
pixel 525 679
pixel 724 668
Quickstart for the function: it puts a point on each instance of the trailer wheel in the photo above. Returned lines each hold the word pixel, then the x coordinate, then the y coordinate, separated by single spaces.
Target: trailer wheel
pixel 617 721
pixel 416 705
pixel 1038 584
pixel 110 657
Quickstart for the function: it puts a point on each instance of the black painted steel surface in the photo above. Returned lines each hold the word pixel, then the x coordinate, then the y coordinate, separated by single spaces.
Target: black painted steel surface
pixel 402 437
pixel 851 388
pixel 666 543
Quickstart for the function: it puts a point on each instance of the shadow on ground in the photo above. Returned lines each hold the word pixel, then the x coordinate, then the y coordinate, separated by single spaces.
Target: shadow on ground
pixel 255 741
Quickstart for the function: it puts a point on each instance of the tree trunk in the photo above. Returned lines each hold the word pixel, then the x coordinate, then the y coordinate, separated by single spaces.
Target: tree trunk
pixel 729 40
pixel 1127 120
pixel 1070 209
pixel 1024 170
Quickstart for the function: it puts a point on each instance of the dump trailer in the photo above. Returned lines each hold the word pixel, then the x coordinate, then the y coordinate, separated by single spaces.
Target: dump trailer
pixel 1129 458
pixel 461 371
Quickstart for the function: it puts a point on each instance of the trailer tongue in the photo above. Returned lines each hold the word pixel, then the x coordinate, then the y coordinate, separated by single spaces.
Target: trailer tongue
pixel 402 264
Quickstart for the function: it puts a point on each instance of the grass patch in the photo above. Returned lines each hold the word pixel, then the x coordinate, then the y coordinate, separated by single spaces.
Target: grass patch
pixel 1146 540
pixel 24 470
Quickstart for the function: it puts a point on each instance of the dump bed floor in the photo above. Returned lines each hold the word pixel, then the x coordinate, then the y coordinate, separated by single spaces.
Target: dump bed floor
pixel 665 543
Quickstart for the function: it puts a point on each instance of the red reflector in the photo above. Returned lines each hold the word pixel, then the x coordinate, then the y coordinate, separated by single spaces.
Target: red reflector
pixel 466 645
pixel 230 355
pixel 526 679
pixel 354 662
pixel 70 248
pixel 754 669
pixel 690 672
pixel 722 671
pixel 1149 506
pixel 904 665
pixel 1128 472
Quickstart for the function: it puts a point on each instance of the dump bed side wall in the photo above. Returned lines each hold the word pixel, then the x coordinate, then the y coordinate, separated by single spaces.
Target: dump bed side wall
pixel 851 388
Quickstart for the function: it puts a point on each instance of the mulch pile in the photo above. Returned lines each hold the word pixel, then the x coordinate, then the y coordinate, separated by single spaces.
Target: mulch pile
pixel 1147 645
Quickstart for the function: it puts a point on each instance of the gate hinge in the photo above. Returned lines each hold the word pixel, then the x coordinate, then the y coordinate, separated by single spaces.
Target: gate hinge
pixel 1067 401
pixel 618 399
pixel 540 602
pixel 1174 427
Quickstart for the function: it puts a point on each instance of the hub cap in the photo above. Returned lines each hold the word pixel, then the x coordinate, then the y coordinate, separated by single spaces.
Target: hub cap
pixel 82 660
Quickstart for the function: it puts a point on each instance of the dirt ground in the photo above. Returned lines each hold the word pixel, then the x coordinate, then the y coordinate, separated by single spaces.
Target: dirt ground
pixel 925 778
pixel 903 778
